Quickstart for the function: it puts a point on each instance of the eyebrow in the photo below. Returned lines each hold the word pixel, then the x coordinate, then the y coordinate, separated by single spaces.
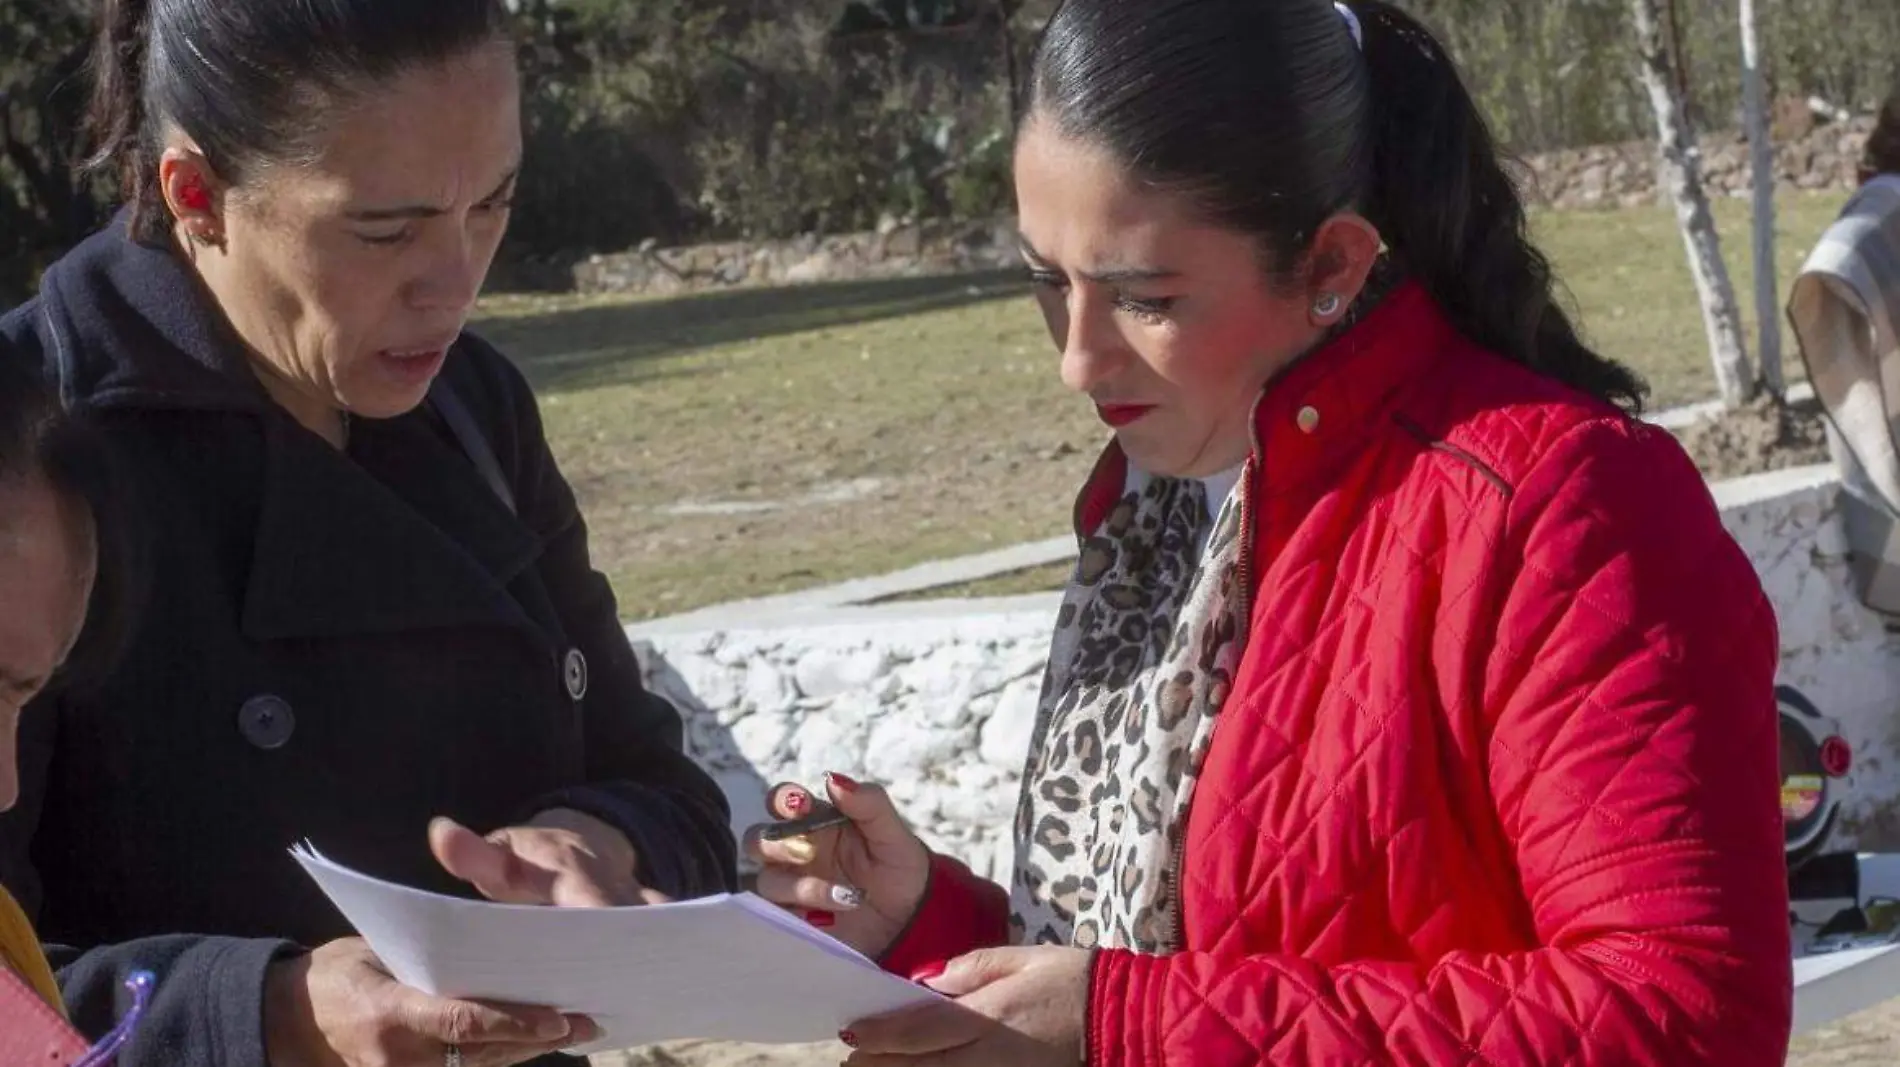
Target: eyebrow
pixel 426 211
pixel 1112 276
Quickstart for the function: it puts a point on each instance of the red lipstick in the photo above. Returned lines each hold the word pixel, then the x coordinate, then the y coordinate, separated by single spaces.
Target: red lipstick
pixel 1120 415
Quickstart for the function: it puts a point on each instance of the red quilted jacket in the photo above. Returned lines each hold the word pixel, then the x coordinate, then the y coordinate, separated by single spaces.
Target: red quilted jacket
pixel 1496 783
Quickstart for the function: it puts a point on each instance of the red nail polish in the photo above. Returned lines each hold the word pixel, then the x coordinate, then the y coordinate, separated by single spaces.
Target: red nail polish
pixel 820 919
pixel 927 972
pixel 843 782
pixel 850 1039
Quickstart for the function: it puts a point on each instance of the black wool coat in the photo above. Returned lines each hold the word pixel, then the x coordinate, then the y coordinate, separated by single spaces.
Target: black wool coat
pixel 329 646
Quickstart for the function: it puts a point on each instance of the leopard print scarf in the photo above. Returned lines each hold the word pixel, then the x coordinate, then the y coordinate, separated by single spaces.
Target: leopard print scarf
pixel 1146 644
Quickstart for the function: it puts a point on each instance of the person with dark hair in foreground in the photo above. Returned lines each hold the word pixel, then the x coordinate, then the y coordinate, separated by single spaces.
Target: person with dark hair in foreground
pixel 1409 704
pixel 62 576
pixel 371 622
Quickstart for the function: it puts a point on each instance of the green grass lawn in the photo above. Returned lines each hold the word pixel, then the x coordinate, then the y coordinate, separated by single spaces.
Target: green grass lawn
pixel 742 443
pixel 1629 278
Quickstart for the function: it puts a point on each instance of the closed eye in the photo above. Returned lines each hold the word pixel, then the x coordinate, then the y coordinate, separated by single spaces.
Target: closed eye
pixel 1042 278
pixel 1151 312
pixel 1158 306
pixel 499 204
pixel 385 239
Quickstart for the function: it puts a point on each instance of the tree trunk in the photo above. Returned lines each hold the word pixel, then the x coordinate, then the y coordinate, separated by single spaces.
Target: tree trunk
pixel 1762 167
pixel 1682 174
pixel 1678 52
pixel 1005 13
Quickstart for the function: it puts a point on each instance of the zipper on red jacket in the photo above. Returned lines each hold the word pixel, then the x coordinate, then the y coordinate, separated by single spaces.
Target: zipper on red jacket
pixel 1255 462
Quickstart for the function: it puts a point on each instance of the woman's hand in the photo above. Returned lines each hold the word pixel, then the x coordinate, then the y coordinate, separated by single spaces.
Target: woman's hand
pixel 561 858
pixel 860 882
pixel 338 1007
pixel 1014 1007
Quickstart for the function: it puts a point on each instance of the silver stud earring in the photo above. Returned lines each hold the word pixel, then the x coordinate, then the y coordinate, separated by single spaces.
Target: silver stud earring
pixel 1327 305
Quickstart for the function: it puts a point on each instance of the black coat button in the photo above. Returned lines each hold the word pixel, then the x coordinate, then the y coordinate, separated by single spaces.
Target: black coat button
pixel 574 674
pixel 267 722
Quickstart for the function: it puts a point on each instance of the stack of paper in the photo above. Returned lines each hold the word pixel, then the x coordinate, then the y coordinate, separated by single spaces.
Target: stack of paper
pixel 730 967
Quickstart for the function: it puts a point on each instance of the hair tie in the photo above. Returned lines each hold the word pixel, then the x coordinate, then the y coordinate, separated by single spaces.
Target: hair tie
pixel 1352 25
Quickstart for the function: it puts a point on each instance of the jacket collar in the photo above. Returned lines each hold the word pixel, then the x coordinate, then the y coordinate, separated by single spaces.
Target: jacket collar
pixel 399 534
pixel 1327 406
pixel 129 324
pixel 1320 410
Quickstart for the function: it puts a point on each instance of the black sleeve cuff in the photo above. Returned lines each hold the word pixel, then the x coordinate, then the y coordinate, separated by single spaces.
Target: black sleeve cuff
pixel 207 1001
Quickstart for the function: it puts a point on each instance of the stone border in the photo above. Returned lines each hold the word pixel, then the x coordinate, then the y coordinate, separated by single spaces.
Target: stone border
pixel 1732 493
pixel 952 610
pixel 865 593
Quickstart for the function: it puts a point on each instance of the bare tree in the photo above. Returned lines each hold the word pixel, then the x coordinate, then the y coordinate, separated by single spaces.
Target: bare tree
pixel 1682 174
pixel 1677 45
pixel 1762 170
pixel 1005 14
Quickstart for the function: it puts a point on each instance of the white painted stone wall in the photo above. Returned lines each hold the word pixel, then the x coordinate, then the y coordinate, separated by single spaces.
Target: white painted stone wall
pixel 1833 650
pixel 936 709
pixel 937 700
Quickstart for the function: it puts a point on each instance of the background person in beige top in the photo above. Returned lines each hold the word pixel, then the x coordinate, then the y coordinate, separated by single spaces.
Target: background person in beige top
pixel 1845 311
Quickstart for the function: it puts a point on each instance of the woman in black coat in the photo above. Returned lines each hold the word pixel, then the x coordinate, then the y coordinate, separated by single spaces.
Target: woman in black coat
pixel 368 604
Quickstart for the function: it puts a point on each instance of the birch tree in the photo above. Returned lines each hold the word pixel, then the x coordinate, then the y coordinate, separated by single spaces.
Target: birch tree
pixel 1682 175
pixel 1762 172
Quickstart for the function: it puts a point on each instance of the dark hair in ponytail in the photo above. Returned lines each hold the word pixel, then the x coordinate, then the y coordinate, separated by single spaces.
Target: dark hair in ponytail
pixel 252 82
pixel 116 119
pixel 1271 118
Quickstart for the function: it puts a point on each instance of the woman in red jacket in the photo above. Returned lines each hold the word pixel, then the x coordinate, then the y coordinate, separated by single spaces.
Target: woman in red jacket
pixel 1409 704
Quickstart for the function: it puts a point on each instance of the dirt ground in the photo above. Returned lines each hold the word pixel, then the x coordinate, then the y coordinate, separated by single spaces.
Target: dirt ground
pixel 1764 436
pixel 1869 1039
pixel 719 1054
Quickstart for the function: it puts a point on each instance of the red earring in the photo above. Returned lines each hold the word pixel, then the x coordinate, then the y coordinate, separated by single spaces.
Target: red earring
pixel 193 194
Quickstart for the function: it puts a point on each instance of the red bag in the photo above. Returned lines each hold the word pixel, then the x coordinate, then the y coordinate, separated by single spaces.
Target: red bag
pixel 32 1034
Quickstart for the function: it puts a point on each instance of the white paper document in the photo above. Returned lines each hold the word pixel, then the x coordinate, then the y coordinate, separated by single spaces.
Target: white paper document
pixel 731 967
